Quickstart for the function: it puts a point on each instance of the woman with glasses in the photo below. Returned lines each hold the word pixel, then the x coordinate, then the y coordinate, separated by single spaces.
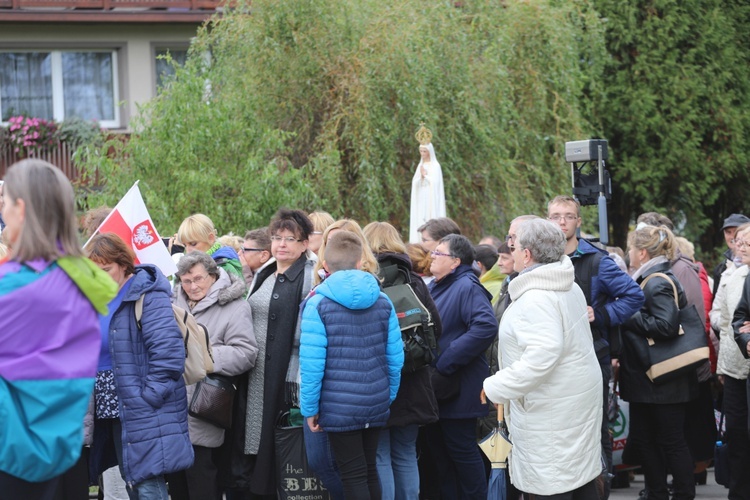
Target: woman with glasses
pixel 197 232
pixel 732 367
pixel 139 392
pixel 549 381
pixel 255 254
pixel 216 299
pixel 273 386
pixel 469 327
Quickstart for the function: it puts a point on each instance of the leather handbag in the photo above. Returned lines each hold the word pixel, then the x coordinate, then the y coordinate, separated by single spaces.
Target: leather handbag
pixel 668 359
pixel 213 400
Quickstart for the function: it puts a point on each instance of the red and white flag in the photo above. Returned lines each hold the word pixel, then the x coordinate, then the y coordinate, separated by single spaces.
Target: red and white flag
pixel 130 221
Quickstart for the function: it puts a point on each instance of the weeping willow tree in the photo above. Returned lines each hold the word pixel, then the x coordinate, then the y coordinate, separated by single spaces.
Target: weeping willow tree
pixel 313 104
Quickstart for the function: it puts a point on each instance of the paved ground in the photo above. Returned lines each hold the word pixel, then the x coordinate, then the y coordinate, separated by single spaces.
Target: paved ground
pixel 709 491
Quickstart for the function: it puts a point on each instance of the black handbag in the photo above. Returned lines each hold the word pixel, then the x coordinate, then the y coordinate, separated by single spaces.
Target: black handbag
pixel 671 358
pixel 213 400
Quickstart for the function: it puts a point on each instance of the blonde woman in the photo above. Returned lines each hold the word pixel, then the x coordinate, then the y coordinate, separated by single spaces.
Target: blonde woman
pixel 657 411
pixel 320 221
pixel 197 232
pixel 369 263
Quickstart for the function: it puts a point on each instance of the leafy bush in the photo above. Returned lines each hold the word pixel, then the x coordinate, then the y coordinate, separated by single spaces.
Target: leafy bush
pixel 313 104
pixel 31 135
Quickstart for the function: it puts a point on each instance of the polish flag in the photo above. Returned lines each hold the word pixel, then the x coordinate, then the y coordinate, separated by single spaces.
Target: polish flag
pixel 130 221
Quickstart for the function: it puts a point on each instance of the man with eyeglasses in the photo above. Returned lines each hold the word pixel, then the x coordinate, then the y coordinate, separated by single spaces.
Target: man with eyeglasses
pixel 729 228
pixel 612 296
pixel 255 254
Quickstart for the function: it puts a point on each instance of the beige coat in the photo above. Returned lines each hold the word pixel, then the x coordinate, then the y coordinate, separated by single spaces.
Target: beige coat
pixel 230 326
pixel 731 361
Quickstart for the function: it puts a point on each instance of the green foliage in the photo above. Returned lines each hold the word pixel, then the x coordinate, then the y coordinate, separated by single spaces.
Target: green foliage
pixel 675 109
pixel 313 104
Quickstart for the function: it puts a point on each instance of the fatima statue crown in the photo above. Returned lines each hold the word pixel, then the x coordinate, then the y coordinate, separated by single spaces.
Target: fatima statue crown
pixel 423 135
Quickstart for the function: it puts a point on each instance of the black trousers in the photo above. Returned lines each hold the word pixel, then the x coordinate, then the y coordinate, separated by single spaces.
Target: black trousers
pixel 586 492
pixel 738 443
pixel 657 434
pixel 199 482
pixel 12 487
pixel 355 453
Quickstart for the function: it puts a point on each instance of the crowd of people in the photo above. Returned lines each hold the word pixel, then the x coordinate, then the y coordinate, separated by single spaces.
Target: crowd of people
pixel 535 329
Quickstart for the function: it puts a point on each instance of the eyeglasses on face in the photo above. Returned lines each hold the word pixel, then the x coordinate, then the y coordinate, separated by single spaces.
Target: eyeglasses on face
pixel 558 218
pixel 510 238
pixel 252 249
pixel 286 239
pixel 197 280
pixel 741 243
pixel 435 253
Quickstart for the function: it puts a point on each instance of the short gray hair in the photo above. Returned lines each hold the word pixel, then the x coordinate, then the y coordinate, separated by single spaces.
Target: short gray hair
pixel 192 259
pixel 544 239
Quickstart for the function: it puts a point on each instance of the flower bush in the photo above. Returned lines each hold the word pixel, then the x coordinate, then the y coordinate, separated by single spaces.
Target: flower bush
pixel 32 135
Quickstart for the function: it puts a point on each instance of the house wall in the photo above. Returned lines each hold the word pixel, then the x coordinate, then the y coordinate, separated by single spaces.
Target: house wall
pixel 134 43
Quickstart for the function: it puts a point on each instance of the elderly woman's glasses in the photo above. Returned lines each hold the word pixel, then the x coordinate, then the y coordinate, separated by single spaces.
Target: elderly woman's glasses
pixel 286 239
pixel 197 280
pixel 252 249
pixel 741 243
pixel 435 253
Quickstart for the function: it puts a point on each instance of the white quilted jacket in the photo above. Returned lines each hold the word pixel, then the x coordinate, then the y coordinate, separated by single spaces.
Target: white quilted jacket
pixel 550 382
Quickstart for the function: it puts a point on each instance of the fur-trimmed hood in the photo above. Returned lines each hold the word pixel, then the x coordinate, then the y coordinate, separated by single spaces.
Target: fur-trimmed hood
pixel 227 288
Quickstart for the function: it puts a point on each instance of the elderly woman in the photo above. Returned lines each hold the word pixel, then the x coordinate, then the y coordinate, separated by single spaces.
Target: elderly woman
pixel 469 327
pixel 657 411
pixel 549 377
pixel 141 365
pixel 273 386
pixel 732 367
pixel 415 403
pixel 215 298
pixel 197 232
pixel 49 331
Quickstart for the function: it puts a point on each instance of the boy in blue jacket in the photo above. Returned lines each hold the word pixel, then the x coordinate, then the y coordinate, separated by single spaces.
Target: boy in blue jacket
pixel 351 356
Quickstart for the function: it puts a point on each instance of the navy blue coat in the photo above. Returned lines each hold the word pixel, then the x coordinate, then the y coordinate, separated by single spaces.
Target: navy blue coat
pixel 148 366
pixel 469 327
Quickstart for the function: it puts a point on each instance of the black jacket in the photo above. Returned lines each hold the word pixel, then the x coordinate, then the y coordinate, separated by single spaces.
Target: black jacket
pixel 658 319
pixel 415 402
pixel 742 314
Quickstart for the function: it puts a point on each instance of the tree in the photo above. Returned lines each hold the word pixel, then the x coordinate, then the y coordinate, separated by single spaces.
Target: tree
pixel 313 104
pixel 675 111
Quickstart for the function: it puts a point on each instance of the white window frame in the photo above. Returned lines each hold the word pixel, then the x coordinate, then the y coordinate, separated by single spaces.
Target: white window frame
pixel 56 69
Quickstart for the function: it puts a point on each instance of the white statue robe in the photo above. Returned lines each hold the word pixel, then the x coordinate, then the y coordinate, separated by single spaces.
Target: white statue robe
pixel 427 196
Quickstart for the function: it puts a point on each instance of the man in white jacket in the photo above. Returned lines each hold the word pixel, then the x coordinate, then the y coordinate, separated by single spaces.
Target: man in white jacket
pixel 549 379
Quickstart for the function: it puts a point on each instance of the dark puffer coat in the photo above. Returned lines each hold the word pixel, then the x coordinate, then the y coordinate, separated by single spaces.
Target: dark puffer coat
pixel 148 366
pixel 415 402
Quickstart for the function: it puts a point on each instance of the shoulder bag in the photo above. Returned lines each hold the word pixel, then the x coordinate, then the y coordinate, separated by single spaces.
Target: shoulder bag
pixel 671 358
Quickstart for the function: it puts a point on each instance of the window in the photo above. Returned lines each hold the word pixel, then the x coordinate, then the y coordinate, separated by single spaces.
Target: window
pixel 60 84
pixel 165 69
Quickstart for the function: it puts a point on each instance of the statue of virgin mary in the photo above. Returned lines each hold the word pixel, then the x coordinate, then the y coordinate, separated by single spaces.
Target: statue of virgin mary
pixel 427 193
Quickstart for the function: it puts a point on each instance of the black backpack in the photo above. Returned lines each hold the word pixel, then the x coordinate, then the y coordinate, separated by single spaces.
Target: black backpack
pixel 415 321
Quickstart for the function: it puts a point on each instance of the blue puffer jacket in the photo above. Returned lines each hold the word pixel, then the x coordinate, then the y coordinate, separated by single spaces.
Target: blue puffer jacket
pixel 148 368
pixel 469 327
pixel 351 353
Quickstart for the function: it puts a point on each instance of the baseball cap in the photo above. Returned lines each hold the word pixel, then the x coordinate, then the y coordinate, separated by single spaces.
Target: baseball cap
pixel 735 220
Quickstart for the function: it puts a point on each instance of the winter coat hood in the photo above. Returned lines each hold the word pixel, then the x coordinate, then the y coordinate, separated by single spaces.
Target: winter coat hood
pixel 557 277
pixel 352 289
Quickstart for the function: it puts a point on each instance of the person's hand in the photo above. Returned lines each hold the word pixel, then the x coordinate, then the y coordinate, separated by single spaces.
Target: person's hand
pixel 312 423
pixel 745 328
pixel 721 378
pixel 482 397
pixel 423 171
pixel 590 310
pixel 615 363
